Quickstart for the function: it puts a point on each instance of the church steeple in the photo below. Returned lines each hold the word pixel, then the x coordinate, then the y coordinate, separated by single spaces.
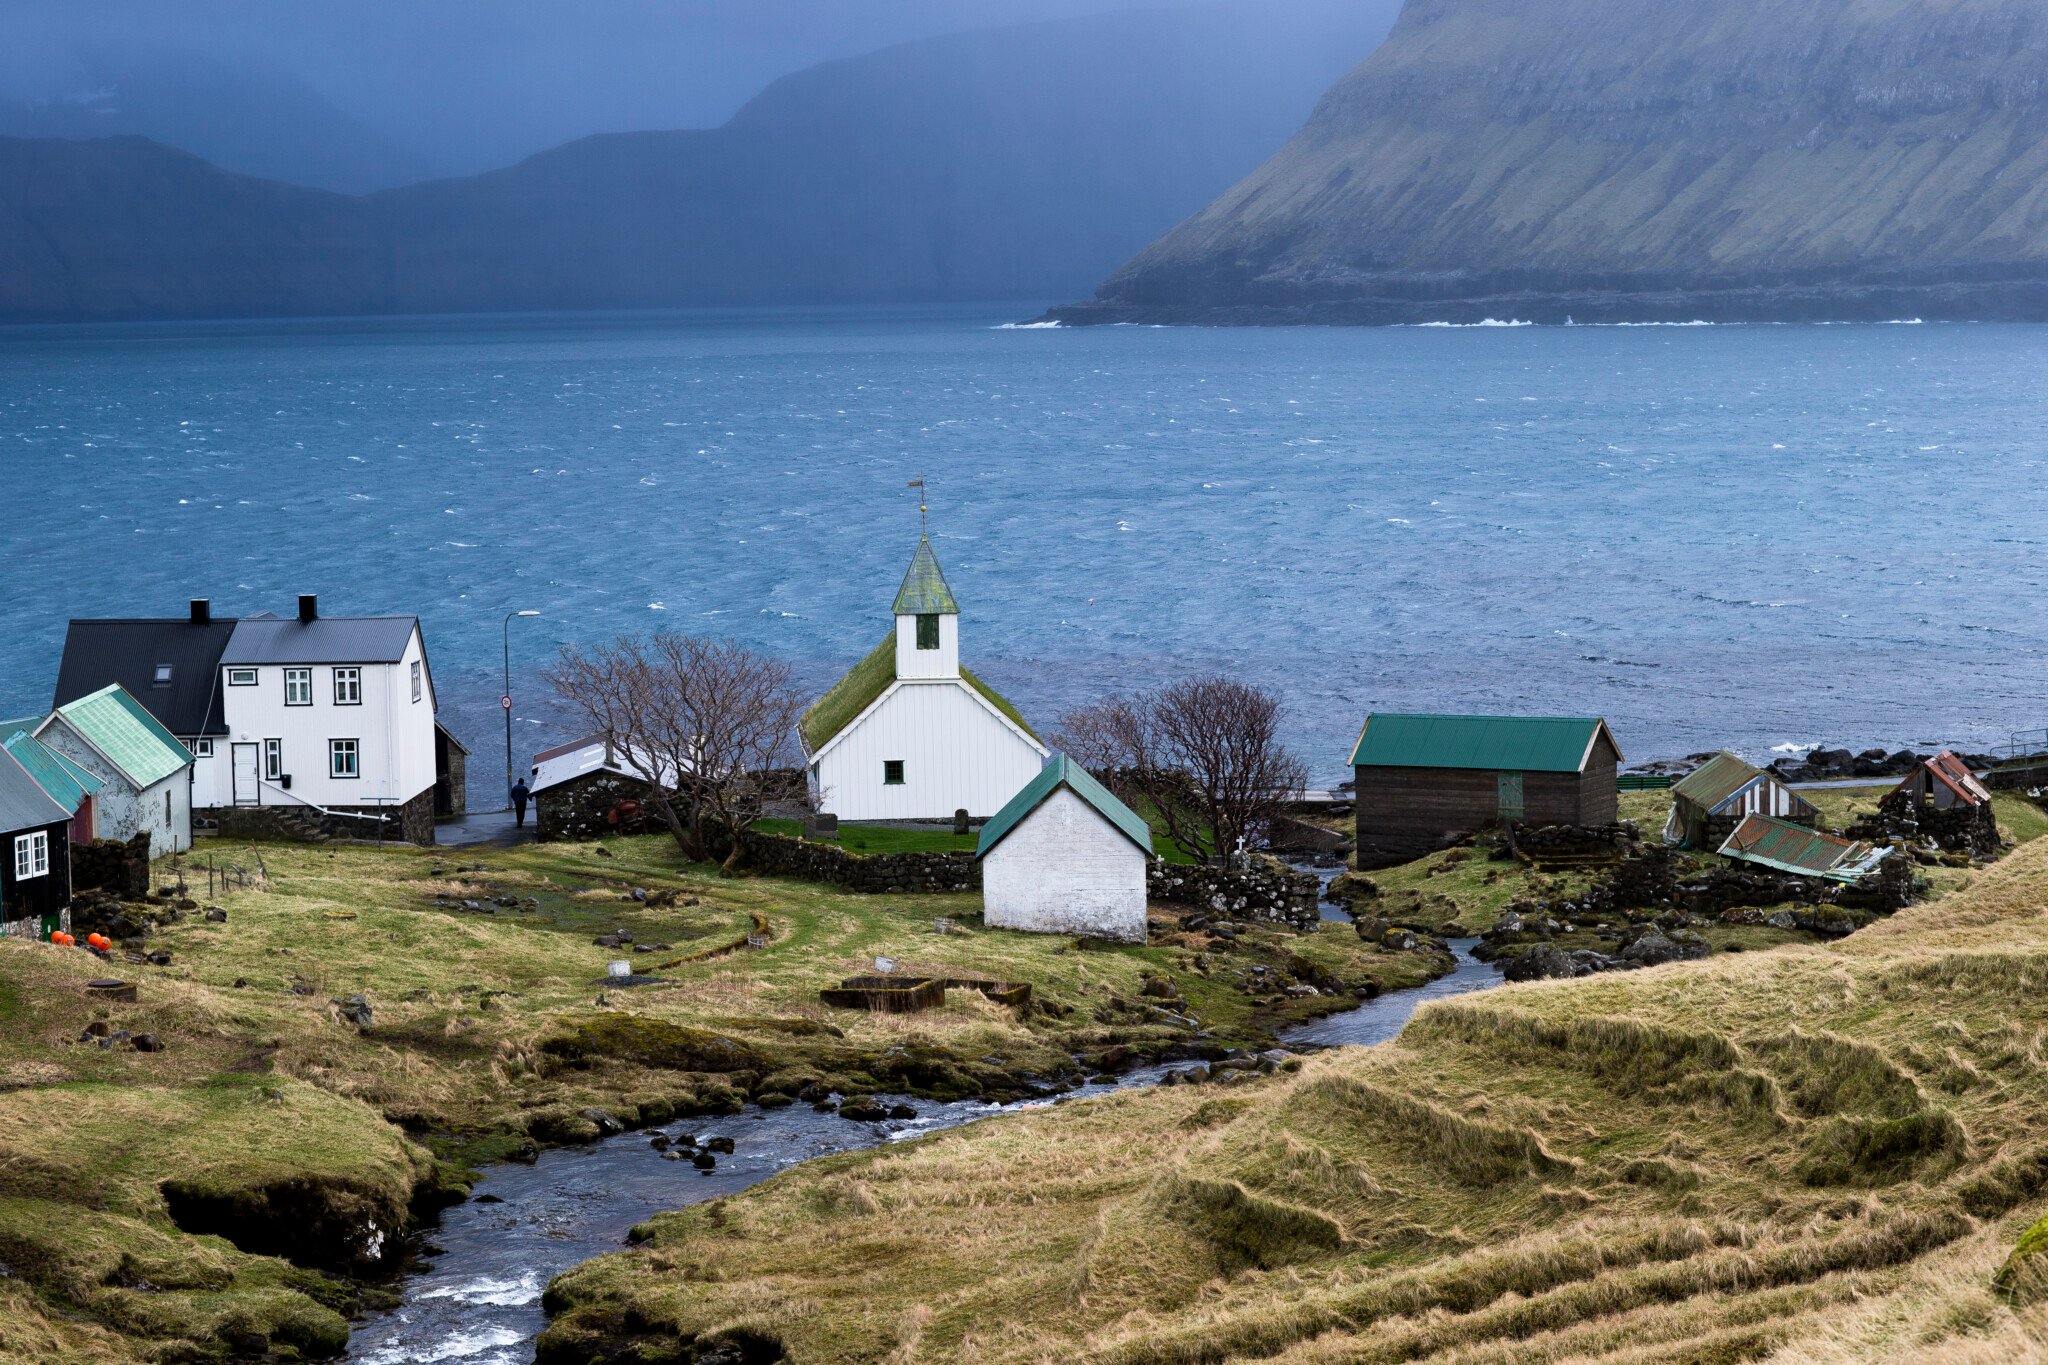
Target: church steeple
pixel 927 620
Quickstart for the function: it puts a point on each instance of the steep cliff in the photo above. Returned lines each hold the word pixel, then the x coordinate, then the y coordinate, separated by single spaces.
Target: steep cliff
pixel 1640 159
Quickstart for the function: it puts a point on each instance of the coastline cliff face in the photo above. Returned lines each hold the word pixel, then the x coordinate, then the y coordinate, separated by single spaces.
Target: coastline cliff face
pixel 1610 160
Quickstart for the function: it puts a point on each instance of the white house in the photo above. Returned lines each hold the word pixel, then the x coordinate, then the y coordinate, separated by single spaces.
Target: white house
pixel 332 715
pixel 911 735
pixel 1065 857
pixel 328 717
pixel 145 773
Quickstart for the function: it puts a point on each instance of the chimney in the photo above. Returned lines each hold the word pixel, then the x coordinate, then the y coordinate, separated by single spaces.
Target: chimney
pixel 202 611
pixel 309 607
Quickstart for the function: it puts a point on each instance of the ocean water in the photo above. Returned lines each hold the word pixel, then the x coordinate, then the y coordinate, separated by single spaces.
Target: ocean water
pixel 1743 536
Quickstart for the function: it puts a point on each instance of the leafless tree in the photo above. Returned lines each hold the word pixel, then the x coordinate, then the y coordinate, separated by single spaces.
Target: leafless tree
pixel 706 724
pixel 1203 755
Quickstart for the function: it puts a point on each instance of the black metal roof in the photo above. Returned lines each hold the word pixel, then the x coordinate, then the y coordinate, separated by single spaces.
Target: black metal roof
pixel 268 639
pixel 97 653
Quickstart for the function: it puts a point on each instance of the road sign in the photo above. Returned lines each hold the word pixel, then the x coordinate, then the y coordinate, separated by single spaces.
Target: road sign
pixel 505 702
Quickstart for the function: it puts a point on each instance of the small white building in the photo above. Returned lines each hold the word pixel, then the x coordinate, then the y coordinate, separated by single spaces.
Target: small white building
pixel 909 734
pixel 145 773
pixel 1065 857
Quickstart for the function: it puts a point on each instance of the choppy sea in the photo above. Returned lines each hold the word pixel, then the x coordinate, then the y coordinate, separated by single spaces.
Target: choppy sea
pixel 1748 536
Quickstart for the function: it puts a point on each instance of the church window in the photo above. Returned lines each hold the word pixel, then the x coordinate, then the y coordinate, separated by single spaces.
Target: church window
pixel 892 772
pixel 928 631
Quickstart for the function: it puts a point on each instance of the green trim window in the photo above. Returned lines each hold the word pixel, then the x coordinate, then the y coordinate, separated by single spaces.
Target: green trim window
pixel 342 758
pixel 892 772
pixel 928 631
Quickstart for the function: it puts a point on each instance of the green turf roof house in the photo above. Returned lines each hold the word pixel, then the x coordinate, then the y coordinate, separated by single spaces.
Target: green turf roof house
pixel 145 773
pixel 909 734
pixel 1426 781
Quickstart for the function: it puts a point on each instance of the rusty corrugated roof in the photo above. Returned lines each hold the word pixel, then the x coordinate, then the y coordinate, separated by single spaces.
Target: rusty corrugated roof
pixel 1793 848
pixel 1714 781
pixel 1952 772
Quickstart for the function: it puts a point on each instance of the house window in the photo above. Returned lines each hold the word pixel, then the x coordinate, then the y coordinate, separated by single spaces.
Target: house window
pixel 298 687
pixel 273 759
pixel 415 679
pixel 892 772
pixel 31 855
pixel 928 632
pixel 348 687
pixel 241 677
pixel 341 758
pixel 162 677
pixel 202 748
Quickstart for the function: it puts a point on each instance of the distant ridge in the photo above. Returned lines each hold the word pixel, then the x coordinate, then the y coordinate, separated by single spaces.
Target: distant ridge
pixel 1001 164
pixel 1639 160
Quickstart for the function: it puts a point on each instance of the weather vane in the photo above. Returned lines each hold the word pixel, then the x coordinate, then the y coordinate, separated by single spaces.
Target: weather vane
pixel 918 484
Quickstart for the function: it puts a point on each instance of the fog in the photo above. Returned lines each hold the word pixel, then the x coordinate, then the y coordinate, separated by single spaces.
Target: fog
pixel 358 94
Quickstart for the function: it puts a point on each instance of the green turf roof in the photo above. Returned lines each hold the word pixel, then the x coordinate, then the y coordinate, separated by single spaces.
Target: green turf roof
pixel 132 739
pixel 924 591
pixel 867 681
pixel 1060 771
pixel 1529 744
pixel 1714 781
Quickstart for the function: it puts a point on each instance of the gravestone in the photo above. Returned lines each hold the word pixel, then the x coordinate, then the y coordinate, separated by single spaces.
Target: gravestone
pixel 960 818
pixel 821 827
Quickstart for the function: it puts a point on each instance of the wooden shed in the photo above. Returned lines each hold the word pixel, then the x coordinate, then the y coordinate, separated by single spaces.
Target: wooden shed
pixel 1424 782
pixel 1944 782
pixel 1713 799
pixel 35 854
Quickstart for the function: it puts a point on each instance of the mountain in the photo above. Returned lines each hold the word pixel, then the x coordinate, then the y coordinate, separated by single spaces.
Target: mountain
pixel 241 119
pixel 1022 162
pixel 1641 160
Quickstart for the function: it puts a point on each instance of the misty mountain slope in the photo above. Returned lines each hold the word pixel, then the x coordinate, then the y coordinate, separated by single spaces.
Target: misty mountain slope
pixel 1001 163
pixel 1639 159
pixel 1022 162
pixel 252 122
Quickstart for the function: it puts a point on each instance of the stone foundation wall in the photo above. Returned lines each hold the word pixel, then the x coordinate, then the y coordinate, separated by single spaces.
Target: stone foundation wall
pixel 581 808
pixel 876 874
pixel 412 822
pixel 1268 892
pixel 1962 829
pixel 119 866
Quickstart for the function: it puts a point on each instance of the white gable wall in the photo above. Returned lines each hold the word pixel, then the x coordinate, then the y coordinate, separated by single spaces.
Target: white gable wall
pixel 943 662
pixel 956 753
pixel 1065 870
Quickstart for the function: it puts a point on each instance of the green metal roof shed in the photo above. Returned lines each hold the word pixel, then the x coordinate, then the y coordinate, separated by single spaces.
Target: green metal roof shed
pixel 1060 771
pixel 1528 744
pixel 66 782
pixel 130 738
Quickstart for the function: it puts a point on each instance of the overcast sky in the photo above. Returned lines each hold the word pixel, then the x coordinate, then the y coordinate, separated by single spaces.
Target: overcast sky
pixel 469 84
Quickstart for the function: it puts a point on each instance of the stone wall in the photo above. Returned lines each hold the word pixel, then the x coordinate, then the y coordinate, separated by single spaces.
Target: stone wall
pixel 1960 829
pixel 581 808
pixel 411 823
pixel 115 865
pixel 878 874
pixel 1268 892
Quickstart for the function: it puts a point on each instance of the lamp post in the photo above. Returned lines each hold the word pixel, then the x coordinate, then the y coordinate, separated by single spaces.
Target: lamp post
pixel 505 701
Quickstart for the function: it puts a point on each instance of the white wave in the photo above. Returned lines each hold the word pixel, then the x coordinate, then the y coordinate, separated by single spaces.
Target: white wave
pixel 461 1346
pixel 1024 326
pixel 1487 322
pixel 1696 322
pixel 494 1293
pixel 461 544
pixel 1793 748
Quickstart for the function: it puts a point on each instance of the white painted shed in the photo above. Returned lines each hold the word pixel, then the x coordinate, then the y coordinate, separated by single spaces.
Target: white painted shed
pixel 1065 857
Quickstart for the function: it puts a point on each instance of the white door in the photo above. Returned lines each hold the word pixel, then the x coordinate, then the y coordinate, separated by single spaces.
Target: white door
pixel 246 792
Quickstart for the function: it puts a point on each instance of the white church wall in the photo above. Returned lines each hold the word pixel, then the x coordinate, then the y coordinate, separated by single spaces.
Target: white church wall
pixel 955 753
pixel 1065 870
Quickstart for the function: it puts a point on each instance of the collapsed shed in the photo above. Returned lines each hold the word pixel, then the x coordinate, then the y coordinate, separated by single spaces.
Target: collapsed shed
pixel 1785 847
pixel 1943 782
pixel 1719 794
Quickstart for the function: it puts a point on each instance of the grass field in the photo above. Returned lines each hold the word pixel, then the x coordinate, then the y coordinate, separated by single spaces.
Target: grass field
pixel 1819 1154
pixel 493 1028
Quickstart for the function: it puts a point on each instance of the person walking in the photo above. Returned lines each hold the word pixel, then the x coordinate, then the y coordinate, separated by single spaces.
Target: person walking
pixel 520 796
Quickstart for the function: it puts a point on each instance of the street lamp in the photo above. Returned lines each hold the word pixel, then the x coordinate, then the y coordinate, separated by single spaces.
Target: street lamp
pixel 505 701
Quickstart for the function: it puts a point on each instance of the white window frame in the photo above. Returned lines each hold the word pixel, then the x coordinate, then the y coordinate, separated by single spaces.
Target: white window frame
pixel 242 677
pixel 202 748
pixel 354 751
pixel 416 688
pixel 31 855
pixel 298 682
pixel 273 760
pixel 348 687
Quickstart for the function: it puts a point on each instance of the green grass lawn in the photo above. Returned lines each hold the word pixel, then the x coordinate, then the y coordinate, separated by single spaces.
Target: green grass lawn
pixel 868 839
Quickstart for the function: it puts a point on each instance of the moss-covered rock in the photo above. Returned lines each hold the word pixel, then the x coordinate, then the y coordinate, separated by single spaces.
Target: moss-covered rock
pixel 649 1042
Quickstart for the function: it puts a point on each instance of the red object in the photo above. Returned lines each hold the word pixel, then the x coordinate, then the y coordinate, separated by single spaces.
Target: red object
pixel 623 813
pixel 99 940
pixel 60 937
pixel 82 823
pixel 505 702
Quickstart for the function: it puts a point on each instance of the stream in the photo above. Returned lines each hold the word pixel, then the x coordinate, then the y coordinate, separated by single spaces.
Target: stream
pixel 477 1302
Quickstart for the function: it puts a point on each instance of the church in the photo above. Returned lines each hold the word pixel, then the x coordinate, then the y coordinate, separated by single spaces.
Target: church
pixel 911 735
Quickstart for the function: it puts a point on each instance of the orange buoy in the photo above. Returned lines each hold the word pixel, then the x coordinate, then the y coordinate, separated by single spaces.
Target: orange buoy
pixel 58 936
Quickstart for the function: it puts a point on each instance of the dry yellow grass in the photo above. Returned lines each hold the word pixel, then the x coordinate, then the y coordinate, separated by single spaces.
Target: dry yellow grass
pixel 1817 1154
